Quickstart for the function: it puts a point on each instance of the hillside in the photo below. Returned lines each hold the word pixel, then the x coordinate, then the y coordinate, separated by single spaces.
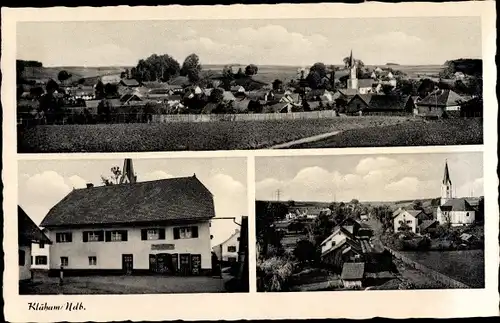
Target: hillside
pixel 77 72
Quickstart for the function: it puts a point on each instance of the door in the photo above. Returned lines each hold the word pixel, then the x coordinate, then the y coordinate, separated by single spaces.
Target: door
pixel 152 263
pixel 127 263
pixel 175 263
pixel 184 264
pixel 164 263
pixel 195 264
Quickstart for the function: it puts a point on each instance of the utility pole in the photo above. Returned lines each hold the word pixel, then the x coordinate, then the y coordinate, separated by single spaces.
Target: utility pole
pixel 278 192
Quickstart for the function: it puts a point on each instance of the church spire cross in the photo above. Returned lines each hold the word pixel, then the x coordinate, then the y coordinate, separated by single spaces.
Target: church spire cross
pixel 446 177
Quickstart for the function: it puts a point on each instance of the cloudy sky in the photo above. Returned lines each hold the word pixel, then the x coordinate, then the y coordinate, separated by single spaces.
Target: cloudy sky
pixel 366 177
pixel 43 183
pixel 412 41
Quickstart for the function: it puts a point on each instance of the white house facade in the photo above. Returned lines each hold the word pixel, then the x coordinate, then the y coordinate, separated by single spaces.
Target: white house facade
pixel 411 218
pixel 40 256
pixel 227 251
pixel 160 226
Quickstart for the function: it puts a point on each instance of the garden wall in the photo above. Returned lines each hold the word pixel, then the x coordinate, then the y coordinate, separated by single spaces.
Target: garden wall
pixel 452 283
pixel 324 114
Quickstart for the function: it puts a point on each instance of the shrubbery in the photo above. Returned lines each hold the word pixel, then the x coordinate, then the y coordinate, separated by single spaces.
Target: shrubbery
pixel 274 274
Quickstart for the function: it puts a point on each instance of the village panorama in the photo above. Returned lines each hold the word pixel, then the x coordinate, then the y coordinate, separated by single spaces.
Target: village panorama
pixel 167 102
pixel 138 230
pixel 420 227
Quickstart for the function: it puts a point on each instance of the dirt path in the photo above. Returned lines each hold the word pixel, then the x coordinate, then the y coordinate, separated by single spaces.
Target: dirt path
pixel 306 140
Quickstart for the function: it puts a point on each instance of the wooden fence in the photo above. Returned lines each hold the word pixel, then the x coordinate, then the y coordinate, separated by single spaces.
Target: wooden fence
pixel 452 283
pixel 163 118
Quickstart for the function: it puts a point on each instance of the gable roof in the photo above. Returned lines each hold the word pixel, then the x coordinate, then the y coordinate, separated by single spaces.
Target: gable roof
pixel 387 102
pixel 236 233
pixel 348 92
pixel 27 231
pixel 446 177
pixel 442 98
pixel 129 82
pixel 174 199
pixel 209 108
pixel 457 204
pixel 353 271
pixel 426 224
pixel 179 81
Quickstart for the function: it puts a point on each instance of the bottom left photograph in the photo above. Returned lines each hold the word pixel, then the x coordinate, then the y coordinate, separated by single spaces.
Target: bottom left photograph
pixel 133 226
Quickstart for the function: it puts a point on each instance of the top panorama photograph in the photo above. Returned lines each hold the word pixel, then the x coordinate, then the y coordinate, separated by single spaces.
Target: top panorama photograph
pixel 194 85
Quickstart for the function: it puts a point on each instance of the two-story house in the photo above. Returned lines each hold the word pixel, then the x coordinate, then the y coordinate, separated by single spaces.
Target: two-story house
pixel 158 226
pixel 227 251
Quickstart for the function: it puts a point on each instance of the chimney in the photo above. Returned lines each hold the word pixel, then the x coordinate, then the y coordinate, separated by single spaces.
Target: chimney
pixel 90 185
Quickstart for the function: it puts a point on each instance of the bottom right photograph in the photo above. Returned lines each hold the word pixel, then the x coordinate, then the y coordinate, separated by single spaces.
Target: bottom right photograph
pixel 370 222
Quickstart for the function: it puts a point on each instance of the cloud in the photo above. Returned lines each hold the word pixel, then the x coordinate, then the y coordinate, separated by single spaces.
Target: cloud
pixel 42 191
pixel 374 179
pixel 153 176
pixel 474 187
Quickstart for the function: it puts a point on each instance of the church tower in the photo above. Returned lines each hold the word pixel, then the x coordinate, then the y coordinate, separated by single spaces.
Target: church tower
pixel 446 187
pixel 352 83
pixel 128 175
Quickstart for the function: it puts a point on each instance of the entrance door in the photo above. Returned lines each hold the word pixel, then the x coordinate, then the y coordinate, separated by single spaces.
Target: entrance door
pixel 127 263
pixel 184 264
pixel 195 264
pixel 164 263
pixel 152 263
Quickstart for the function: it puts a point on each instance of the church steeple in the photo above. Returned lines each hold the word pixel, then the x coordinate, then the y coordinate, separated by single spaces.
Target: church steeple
pixel 128 175
pixel 352 83
pixel 446 186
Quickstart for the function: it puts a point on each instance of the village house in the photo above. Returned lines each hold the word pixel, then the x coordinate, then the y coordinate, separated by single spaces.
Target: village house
pixel 40 255
pixel 411 219
pixel 440 103
pixel 454 211
pixel 353 274
pixel 373 104
pixel 28 233
pixel 160 226
pixel 227 251
pixel 129 83
pixel 111 78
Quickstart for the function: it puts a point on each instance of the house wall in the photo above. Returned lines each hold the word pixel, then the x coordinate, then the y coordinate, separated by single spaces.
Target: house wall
pixel 456 218
pixel 37 251
pixel 430 111
pixel 231 242
pixel 355 105
pixel 109 254
pixel 332 241
pixel 115 78
pixel 24 271
pixel 365 90
pixel 404 217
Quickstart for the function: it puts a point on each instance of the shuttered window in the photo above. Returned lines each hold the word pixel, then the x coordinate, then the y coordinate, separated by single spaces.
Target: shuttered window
pixel 231 248
pixel 186 232
pixel 93 236
pixel 116 235
pixel 62 237
pixel 153 234
pixel 40 260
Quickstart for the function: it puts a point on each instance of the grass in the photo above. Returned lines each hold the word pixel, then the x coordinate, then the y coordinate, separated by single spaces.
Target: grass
pixel 410 133
pixel 223 135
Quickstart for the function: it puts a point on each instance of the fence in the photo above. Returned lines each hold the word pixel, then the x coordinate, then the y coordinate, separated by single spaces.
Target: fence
pixel 163 118
pixel 427 271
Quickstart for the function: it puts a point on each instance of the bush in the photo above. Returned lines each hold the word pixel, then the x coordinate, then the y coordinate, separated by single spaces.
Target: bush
pixel 275 274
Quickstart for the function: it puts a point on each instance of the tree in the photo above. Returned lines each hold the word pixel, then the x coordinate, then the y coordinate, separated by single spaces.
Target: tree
pixel 63 76
pixel 277 85
pixel 425 87
pixel 227 77
pixel 51 86
pixel 357 62
pixel 251 69
pixel 240 73
pixel 304 251
pixel 407 87
pixel 418 205
pixel 217 95
pixel 99 90
pixel 123 75
pixel 81 81
pixel 111 90
pixel 116 173
pixel 191 68
pixel 157 68
pixel 387 88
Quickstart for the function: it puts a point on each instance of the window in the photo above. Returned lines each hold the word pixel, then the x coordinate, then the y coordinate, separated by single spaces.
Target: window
pixel 41 245
pixel 40 260
pixel 467 214
pixel 92 261
pixel 408 221
pixel 231 248
pixel 116 235
pixel 64 261
pixel 64 237
pixel 22 255
pixel 153 234
pixel 93 236
pixel 186 232
pixel 231 259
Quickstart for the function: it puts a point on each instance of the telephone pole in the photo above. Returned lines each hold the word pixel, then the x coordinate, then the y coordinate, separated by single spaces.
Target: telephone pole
pixel 278 193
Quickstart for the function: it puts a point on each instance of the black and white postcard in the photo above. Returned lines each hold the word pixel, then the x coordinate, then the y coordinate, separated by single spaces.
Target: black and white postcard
pixel 286 161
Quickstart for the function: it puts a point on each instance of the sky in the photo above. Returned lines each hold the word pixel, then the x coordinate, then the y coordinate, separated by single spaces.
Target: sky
pixel 376 41
pixel 388 177
pixel 43 183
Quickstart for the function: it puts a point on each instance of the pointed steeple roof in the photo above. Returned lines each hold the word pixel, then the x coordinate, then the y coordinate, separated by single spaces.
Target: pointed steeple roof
pixel 128 175
pixel 351 60
pixel 446 178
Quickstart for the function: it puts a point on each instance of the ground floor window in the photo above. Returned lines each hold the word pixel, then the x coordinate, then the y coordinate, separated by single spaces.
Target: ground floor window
pixel 40 260
pixel 64 261
pixel 231 248
pixel 92 261
pixel 231 259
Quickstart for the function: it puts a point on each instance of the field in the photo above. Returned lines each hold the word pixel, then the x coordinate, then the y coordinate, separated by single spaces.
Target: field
pixel 178 136
pixel 411 133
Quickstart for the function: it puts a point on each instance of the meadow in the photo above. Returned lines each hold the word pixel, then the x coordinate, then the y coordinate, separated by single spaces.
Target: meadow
pixel 182 136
